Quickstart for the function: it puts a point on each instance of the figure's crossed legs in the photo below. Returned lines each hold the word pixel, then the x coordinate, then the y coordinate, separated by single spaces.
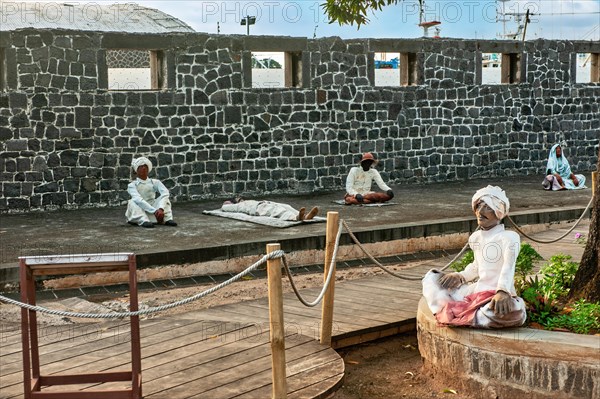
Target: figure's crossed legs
pixel 369 198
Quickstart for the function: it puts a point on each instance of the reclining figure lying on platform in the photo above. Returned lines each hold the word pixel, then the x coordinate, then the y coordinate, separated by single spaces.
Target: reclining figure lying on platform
pixel 491 301
pixel 269 209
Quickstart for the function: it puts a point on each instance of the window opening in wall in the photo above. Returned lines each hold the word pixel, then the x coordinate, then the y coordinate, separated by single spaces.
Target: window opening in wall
pixel 131 69
pixel 276 69
pixel 497 68
pixel 387 69
pixel 396 69
pixel 491 68
pixel 2 69
pixel 587 68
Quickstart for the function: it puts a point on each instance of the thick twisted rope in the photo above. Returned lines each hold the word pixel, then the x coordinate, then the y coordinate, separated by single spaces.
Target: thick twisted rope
pixel 327 280
pixel 378 264
pixel 272 255
pixel 589 205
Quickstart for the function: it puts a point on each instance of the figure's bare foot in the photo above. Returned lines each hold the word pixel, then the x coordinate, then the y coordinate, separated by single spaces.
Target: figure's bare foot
pixel 313 212
pixel 301 214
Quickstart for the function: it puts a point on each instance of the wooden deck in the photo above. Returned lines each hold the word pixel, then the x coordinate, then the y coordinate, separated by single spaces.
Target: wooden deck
pixel 224 352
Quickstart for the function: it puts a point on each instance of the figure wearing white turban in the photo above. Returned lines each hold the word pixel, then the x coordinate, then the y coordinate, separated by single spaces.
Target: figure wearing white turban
pixel 145 208
pixel 483 294
pixel 558 172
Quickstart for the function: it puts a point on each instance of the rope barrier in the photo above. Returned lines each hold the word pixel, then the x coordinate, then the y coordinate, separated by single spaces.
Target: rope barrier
pixel 327 280
pixel 272 255
pixel 589 205
pixel 378 264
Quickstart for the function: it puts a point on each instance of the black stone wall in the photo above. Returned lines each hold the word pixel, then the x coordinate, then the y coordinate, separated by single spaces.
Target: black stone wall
pixel 66 141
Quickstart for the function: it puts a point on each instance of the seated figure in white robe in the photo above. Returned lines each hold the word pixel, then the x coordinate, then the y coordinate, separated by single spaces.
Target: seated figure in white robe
pixel 483 295
pixel 270 209
pixel 145 208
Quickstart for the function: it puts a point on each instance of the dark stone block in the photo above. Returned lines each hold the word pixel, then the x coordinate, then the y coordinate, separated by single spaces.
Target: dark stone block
pixel 147 121
pixel 5 133
pixel 259 124
pixel 82 117
pixel 18 203
pixel 148 139
pixel 233 115
pixel 11 189
pixel 89 184
pixel 20 120
pixel 46 188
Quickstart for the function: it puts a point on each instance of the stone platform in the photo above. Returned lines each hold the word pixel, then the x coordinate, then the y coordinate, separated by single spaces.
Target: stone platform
pixel 423 212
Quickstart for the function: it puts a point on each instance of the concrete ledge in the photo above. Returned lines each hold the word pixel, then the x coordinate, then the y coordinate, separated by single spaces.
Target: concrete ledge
pixel 511 363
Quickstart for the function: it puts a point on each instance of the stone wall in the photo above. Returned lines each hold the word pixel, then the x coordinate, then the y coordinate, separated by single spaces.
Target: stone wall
pixel 510 363
pixel 67 141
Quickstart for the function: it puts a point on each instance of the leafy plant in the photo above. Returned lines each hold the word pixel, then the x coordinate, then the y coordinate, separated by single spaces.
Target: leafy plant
pixel 526 260
pixel 540 299
pixel 584 318
pixel 581 239
pixel 462 263
pixel 560 273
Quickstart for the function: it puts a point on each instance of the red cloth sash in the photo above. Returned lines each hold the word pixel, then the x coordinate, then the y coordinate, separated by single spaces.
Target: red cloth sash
pixel 462 313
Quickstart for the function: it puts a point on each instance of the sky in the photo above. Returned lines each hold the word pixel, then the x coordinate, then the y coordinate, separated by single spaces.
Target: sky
pixel 472 19
pixel 552 19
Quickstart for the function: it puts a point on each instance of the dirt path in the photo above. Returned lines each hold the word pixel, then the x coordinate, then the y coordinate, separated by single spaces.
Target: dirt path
pixel 390 368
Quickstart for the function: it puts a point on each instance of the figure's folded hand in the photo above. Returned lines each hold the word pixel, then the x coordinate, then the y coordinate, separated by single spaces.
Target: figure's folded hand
pixel 451 281
pixel 501 303
pixel 160 215
pixel 390 193
pixel 359 197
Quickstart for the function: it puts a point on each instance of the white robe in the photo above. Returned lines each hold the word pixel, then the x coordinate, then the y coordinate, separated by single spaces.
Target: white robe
pixel 144 203
pixel 359 181
pixel 495 254
pixel 263 208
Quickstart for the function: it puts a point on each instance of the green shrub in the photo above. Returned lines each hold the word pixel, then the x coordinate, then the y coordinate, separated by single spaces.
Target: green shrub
pixel 584 318
pixel 462 263
pixel 540 299
pixel 560 273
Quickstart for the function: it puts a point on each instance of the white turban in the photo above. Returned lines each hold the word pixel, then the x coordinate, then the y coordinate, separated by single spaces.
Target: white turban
pixel 136 163
pixel 495 198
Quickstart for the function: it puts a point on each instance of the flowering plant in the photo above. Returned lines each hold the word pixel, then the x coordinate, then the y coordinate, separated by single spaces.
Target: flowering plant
pixel 580 239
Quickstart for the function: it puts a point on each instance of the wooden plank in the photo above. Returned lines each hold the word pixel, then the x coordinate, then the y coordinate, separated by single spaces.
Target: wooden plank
pixel 255 374
pixel 228 367
pixel 385 331
pixel 308 371
pixel 321 390
pixel 85 357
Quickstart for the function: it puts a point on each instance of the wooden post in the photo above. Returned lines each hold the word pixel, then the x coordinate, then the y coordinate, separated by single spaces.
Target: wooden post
pixel 594 182
pixel 276 325
pixel 333 220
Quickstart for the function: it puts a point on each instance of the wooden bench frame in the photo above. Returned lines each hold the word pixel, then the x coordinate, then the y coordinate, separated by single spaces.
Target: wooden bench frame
pixel 31 266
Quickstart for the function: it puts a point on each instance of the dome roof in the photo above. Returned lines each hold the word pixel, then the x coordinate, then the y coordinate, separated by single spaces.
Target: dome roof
pixel 128 17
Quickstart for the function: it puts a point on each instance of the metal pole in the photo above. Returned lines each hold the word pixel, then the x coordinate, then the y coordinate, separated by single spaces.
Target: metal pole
pixel 276 325
pixel 248 25
pixel 333 220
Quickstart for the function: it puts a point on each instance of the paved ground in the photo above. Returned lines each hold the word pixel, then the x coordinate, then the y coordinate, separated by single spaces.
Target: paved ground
pixel 105 230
